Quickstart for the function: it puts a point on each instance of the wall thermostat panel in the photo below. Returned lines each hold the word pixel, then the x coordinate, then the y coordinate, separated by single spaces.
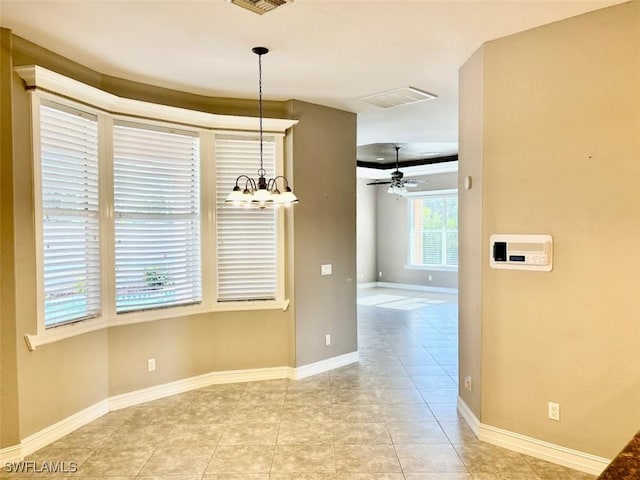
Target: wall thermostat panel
pixel 521 252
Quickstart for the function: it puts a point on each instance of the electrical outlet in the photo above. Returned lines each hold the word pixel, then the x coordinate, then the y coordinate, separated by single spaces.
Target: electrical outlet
pixel 379 274
pixel 151 364
pixel 553 411
pixel 467 382
pixel 430 278
pixel 327 340
pixel 326 269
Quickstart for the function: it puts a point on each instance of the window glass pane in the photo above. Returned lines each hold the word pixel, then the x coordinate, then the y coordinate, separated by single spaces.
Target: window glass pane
pixel 452 214
pixel 452 249
pixel 433 213
pixel 432 248
pixel 70 221
pixel 246 237
pixel 452 231
pixel 433 235
pixel 157 218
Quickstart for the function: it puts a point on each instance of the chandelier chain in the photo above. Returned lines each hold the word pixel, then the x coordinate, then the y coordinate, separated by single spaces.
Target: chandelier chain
pixel 262 171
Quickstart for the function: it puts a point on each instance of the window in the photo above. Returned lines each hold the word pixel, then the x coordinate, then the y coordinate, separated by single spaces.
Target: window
pixel 246 238
pixel 433 231
pixel 70 252
pixel 157 217
pixel 131 223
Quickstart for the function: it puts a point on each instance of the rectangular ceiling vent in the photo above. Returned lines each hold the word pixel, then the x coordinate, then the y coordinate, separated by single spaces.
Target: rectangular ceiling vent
pixel 260 6
pixel 399 96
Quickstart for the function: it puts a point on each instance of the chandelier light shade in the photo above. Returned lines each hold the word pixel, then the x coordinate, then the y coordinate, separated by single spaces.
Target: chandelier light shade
pixel 261 192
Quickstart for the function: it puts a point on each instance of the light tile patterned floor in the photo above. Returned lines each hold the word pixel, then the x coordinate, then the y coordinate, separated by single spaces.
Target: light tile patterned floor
pixel 392 416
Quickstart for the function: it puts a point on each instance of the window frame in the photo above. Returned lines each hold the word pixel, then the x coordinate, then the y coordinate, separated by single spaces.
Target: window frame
pixel 48 86
pixel 155 216
pixel 40 211
pixel 412 196
pixel 278 140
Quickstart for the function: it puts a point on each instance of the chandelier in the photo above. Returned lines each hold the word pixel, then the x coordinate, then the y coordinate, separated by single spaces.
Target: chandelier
pixel 261 192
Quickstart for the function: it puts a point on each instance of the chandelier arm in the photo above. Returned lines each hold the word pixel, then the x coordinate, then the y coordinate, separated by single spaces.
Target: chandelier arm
pixel 286 182
pixel 248 181
pixel 246 177
pixel 271 184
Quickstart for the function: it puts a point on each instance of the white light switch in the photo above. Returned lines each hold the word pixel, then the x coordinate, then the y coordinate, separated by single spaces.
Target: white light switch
pixel 326 269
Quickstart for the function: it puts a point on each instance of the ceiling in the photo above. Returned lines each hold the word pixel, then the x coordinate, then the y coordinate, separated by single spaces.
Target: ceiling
pixel 330 52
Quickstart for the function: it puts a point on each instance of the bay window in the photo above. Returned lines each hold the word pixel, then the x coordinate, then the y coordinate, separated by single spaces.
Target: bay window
pixel 131 223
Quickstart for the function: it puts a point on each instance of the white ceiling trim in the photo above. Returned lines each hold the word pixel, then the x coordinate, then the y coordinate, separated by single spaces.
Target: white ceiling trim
pixel 35 76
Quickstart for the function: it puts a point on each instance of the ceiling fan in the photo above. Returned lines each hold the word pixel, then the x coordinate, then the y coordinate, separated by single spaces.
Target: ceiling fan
pixel 398 185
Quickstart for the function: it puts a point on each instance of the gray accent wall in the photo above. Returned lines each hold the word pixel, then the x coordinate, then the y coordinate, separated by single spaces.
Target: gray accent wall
pixel 366 231
pixel 324 229
pixel 392 237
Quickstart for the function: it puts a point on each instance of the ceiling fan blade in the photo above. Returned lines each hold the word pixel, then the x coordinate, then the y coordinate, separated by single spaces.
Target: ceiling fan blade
pixel 379 183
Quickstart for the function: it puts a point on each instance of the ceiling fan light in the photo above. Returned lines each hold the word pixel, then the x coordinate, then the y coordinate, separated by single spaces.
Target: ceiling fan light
pixel 397 190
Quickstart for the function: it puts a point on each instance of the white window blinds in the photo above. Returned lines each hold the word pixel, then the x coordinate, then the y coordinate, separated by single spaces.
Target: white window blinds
pixel 434 231
pixel 70 220
pixel 157 217
pixel 246 238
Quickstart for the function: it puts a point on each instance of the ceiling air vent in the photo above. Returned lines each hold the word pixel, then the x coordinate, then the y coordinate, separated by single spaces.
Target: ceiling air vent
pixel 399 96
pixel 260 6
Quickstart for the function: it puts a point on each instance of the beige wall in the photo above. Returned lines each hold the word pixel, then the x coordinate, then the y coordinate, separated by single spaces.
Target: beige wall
pixel 62 378
pixel 324 177
pixel 392 223
pixel 366 244
pixel 471 237
pixel 188 346
pixel 9 432
pixel 561 155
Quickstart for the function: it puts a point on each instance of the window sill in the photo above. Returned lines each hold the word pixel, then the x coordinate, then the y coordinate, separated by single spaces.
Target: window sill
pixel 62 332
pixel 433 268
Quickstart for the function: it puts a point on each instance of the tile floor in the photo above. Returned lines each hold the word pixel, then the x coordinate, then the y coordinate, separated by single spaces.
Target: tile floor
pixel 392 416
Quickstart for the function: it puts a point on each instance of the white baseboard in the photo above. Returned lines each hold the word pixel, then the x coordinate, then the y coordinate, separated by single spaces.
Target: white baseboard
pixel 10 454
pixel 58 430
pixel 534 447
pixel 180 386
pixel 420 288
pixel 324 365
pixel 54 432
pixel 469 417
pixel 362 286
